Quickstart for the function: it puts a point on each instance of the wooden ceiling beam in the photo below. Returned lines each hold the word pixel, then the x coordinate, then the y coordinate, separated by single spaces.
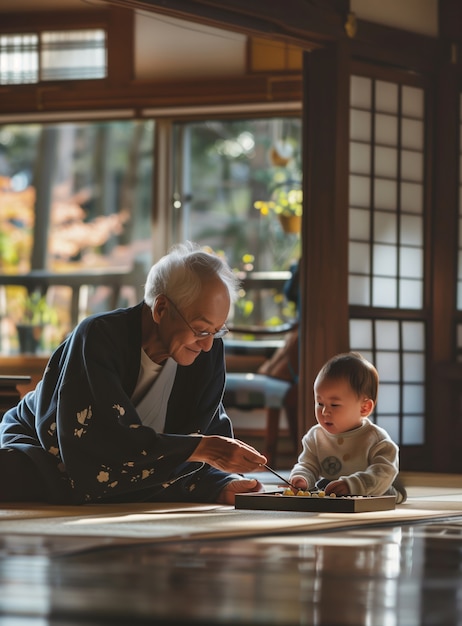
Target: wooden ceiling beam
pixel 308 23
pixel 267 88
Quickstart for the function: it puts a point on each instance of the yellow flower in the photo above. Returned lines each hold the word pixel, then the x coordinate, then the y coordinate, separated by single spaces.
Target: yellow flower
pixel 282 203
pixel 289 202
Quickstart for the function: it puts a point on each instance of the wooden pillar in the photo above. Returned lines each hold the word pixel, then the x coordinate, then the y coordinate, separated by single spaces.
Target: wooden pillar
pixel 324 272
pixel 444 427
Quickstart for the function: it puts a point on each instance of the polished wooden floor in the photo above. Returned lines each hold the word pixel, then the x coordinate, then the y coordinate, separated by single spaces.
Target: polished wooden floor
pixel 389 576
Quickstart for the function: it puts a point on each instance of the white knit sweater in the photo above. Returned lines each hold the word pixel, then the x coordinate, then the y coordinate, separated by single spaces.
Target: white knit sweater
pixel 366 458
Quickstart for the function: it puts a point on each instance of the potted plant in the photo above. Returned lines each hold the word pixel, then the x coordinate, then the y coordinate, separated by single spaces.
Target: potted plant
pixel 33 314
pixel 287 203
pixel 285 195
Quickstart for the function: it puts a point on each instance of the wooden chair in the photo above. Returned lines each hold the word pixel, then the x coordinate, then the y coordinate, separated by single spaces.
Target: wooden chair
pixel 9 393
pixel 254 390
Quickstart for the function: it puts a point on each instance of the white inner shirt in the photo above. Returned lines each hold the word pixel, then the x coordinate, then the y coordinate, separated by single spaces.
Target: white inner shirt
pixel 152 391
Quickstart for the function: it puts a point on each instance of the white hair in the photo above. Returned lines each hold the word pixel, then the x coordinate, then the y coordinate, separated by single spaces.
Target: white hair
pixel 181 273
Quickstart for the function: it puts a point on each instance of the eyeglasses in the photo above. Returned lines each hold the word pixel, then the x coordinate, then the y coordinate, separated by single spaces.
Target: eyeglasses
pixel 203 334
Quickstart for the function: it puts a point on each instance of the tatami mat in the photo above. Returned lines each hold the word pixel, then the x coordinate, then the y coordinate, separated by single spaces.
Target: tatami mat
pixel 93 526
pixel 153 525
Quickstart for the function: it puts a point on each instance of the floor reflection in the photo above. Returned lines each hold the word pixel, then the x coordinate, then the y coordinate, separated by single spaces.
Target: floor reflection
pixel 406 575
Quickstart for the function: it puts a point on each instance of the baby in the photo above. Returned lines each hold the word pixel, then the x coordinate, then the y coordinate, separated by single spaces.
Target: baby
pixel 345 453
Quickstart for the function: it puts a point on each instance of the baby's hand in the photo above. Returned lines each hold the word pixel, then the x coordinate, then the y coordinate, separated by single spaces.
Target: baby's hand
pixel 299 482
pixel 339 487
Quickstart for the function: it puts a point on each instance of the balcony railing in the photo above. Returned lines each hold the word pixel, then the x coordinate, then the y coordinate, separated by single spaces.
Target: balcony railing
pixel 114 278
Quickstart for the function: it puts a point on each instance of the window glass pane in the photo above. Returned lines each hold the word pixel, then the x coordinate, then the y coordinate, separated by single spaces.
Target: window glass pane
pixel 388 399
pixel 360 125
pixel 413 367
pixel 413 398
pixel 360 158
pixel 384 292
pixel 368 355
pixel 360 191
pixel 387 335
pixel 385 230
pixel 412 134
pixel 386 97
pixel 359 224
pixel 413 430
pixel 86 190
pixel 235 180
pixel 359 258
pixel 413 101
pixel 385 260
pixel 411 230
pixel 361 334
pixel 386 162
pixel 75 54
pixel 412 165
pixel 391 425
pixel 385 194
pixel 413 336
pixel 359 290
pixel 410 262
pixel 18 59
pixel 387 364
pixel 360 92
pixel 410 294
pixel 386 129
pixel 411 197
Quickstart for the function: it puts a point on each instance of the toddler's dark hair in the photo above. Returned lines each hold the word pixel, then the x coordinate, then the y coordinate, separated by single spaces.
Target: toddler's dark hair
pixel 353 367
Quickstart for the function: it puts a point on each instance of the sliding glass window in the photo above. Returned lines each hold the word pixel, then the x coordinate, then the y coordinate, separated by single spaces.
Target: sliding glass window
pixel 237 188
pixel 75 200
pixel 386 250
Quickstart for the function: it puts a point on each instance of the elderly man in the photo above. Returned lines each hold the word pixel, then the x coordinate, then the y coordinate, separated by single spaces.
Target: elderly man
pixel 130 404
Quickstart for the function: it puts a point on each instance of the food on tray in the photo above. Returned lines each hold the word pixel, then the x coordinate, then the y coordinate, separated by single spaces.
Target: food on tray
pixel 312 494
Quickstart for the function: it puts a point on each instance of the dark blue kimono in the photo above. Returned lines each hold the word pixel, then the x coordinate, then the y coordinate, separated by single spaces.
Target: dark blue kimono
pixel 83 433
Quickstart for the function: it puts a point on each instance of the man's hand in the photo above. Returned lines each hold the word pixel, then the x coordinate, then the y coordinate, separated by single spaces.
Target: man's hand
pixel 228 455
pixel 245 485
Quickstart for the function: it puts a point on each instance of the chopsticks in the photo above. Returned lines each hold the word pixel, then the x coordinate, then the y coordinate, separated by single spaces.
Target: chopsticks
pixel 270 469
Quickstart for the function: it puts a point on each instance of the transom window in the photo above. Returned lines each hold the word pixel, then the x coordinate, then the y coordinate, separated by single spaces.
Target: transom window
pixel 52 55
